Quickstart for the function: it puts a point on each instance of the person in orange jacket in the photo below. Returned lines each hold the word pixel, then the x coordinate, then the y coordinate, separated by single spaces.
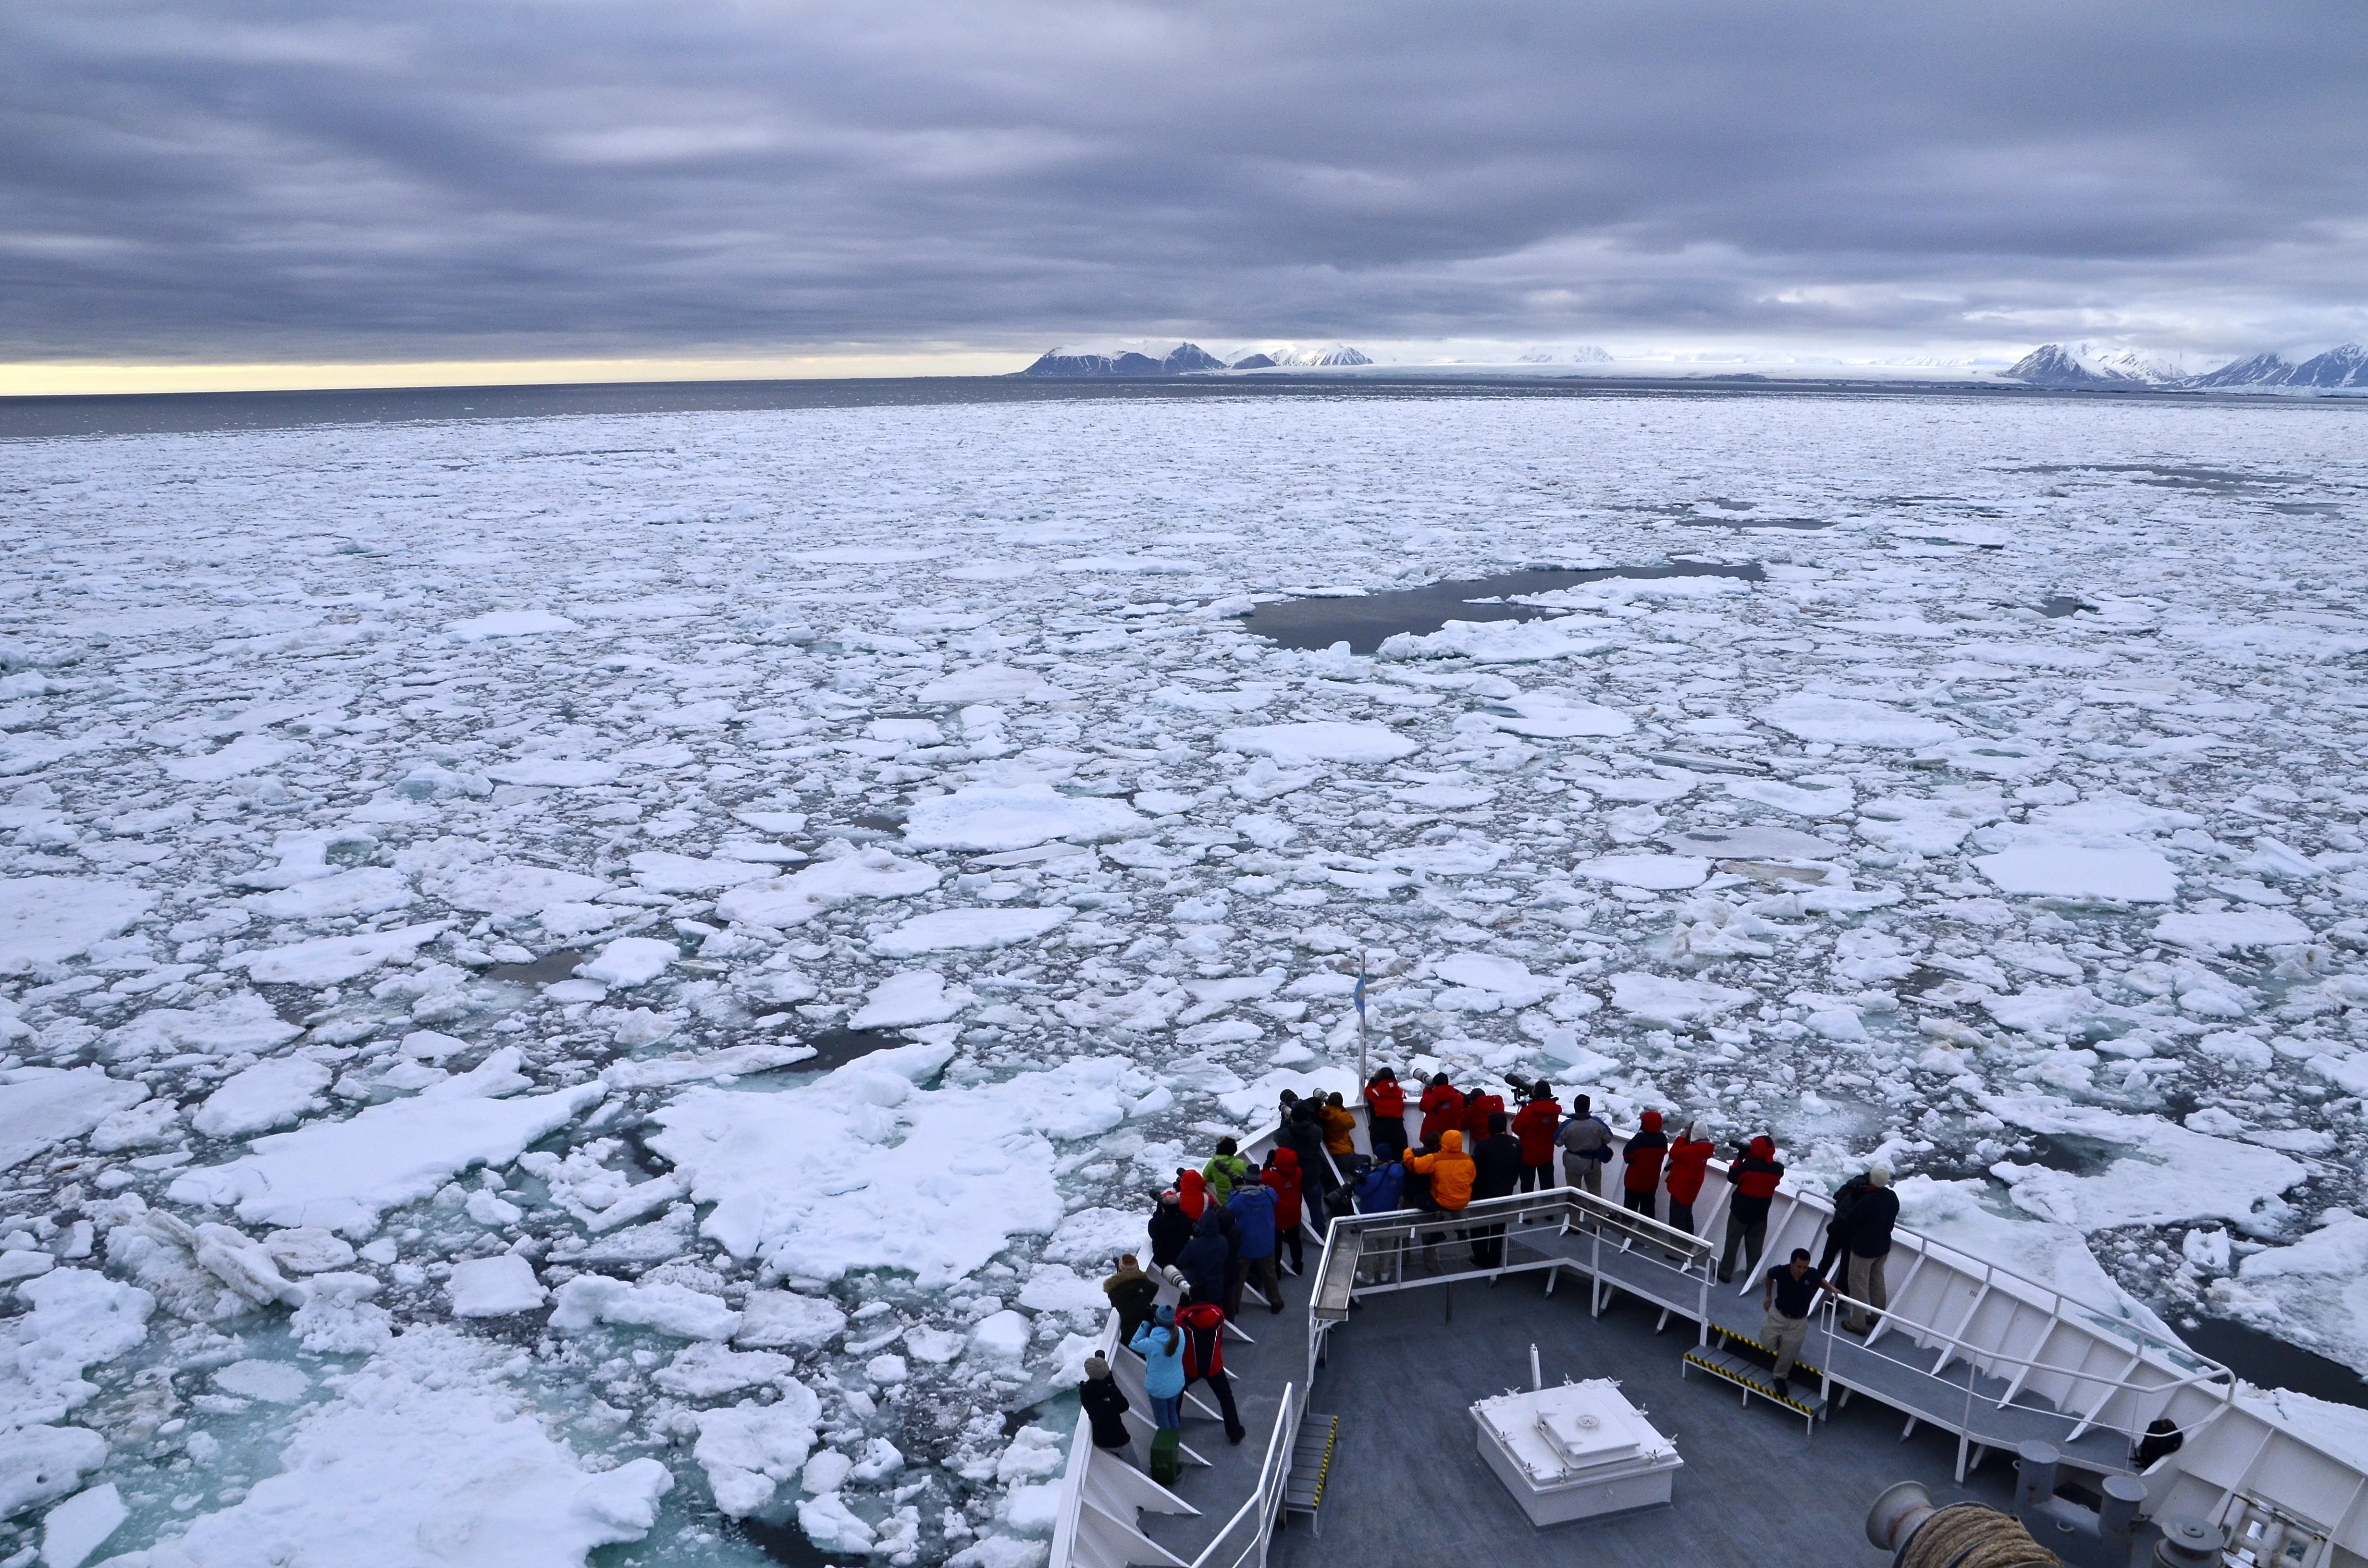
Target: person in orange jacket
pixel 1339 1124
pixel 1536 1125
pixel 1689 1164
pixel 1441 1107
pixel 1451 1171
pixel 1386 1115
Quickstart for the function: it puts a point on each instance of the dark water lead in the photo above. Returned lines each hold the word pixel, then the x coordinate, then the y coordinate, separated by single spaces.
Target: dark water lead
pixel 2272 1363
pixel 1367 621
pixel 1799 525
pixel 837 1048
pixel 2056 607
pixel 551 968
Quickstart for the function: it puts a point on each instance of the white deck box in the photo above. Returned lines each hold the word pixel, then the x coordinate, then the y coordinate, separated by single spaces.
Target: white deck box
pixel 1575 1451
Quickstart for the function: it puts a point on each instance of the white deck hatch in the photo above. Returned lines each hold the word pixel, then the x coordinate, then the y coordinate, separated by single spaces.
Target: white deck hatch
pixel 1575 1451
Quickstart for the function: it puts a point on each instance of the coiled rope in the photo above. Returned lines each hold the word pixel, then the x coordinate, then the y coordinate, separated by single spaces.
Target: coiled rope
pixel 1966 1535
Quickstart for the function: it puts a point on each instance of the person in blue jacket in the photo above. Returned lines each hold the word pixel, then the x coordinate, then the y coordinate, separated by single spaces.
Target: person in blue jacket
pixel 1378 1188
pixel 1252 1206
pixel 1161 1344
pixel 1207 1260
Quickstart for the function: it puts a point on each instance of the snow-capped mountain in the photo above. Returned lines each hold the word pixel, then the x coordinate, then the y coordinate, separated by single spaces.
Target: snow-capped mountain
pixel 2088 364
pixel 1142 357
pixel 1138 359
pixel 1298 357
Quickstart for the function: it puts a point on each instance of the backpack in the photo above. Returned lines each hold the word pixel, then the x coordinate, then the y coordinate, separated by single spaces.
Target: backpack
pixel 1167 1464
pixel 1203 1324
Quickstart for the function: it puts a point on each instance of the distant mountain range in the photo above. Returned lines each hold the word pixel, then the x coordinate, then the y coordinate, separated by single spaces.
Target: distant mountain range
pixel 2087 365
pixel 1146 359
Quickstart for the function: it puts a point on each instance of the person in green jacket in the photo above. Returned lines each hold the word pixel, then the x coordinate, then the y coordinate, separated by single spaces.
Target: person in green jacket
pixel 1225 1172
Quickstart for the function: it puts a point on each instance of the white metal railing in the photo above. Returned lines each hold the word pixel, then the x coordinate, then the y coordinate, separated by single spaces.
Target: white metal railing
pixel 1242 1542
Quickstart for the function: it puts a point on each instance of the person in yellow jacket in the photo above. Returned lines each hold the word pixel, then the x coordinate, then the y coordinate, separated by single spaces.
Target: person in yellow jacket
pixel 1451 1172
pixel 1339 1124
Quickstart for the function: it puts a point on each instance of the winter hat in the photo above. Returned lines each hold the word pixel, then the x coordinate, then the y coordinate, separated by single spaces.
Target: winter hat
pixel 1172 1196
pixel 1652 1122
pixel 1878 1177
pixel 1096 1366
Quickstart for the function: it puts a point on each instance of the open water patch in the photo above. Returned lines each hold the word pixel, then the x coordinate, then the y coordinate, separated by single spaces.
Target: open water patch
pixel 2057 607
pixel 549 970
pixel 1365 621
pixel 837 1048
pixel 2271 1362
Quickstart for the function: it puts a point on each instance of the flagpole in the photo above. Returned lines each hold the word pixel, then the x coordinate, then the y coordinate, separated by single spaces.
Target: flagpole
pixel 1362 1074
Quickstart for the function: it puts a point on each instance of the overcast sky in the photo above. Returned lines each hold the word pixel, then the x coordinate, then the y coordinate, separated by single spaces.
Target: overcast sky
pixel 244 181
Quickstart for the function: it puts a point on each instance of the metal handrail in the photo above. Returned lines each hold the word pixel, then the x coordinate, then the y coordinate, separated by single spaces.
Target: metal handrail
pixel 1274 1474
pixel 1833 1301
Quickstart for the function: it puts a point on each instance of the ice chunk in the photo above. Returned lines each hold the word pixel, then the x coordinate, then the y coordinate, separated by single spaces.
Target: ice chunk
pixel 42 1107
pixel 40 1463
pixel 1503 641
pixel 799 897
pixel 1657 998
pixel 51 919
pixel 2220 930
pixel 495 1286
pixel 782 1317
pixel 1017 816
pixel 990 683
pixel 1002 1336
pixel 664 872
pixel 80 1525
pixel 344 1174
pixel 1755 843
pixel 2170 1174
pixel 275 1383
pixel 1508 978
pixel 556 773
pixel 1553 716
pixel 1807 796
pixel 270 1094
pixel 1657 872
pixel 2134 874
pixel 333 961
pixel 590 1299
pixel 514 889
pixel 1853 722
pixel 1321 740
pixel 708 1370
pixel 239 1021
pixel 918 997
pixel 371 890
pixel 2309 1291
pixel 864 1169
pixel 959 930
pixel 631 960
pixel 510 623
pixel 424 1455
pixel 307 1249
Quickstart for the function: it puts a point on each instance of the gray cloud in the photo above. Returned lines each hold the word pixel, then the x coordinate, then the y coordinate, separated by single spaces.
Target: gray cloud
pixel 255 180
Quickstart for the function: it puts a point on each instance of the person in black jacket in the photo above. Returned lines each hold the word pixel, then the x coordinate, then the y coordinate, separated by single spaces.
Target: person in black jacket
pixel 1171 1228
pixel 1105 1404
pixel 1207 1258
pixel 1497 1173
pixel 1870 1220
pixel 1837 1228
pixel 1303 1136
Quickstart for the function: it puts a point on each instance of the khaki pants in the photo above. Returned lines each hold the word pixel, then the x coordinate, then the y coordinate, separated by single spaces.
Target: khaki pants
pixel 1785 1337
pixel 1866 1285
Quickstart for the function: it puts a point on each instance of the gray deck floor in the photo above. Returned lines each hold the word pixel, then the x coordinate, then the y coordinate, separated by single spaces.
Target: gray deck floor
pixel 1408 1485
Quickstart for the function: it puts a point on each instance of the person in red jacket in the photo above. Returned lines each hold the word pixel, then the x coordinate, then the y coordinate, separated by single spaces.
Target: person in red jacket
pixel 1442 1110
pixel 1386 1115
pixel 1203 1327
pixel 1192 1191
pixel 1536 1125
pixel 1478 1106
pixel 1688 1163
pixel 1754 1176
pixel 1282 1174
pixel 1643 1153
